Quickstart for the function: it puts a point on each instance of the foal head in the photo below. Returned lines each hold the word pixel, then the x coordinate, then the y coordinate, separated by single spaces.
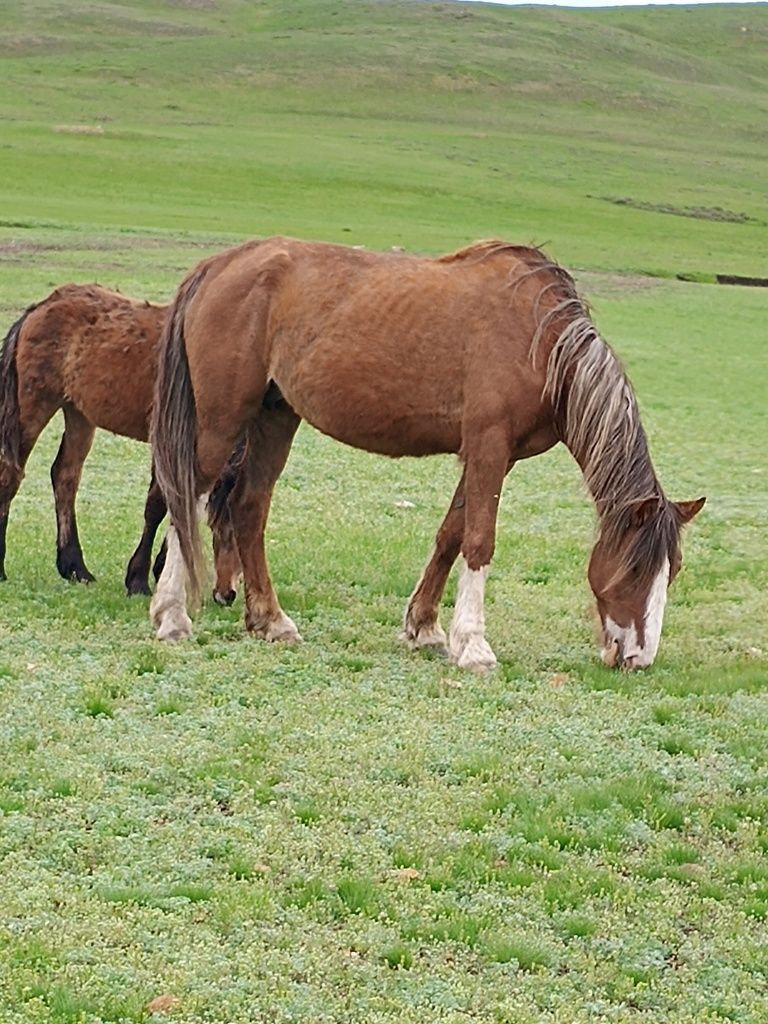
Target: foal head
pixel 633 562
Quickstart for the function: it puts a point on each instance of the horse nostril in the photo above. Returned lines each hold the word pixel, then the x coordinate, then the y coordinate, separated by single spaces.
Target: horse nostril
pixel 612 653
pixel 224 597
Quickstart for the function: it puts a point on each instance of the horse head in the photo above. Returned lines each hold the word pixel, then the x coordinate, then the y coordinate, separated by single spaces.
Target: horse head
pixel 635 559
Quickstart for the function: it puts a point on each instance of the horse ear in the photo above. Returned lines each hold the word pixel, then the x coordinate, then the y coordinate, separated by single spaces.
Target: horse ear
pixel 643 510
pixel 688 509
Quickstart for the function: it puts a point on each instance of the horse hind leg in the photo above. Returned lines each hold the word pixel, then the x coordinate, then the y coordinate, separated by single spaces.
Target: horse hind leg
pixel 137 573
pixel 32 419
pixel 268 445
pixel 65 477
pixel 10 480
pixel 168 608
pixel 420 624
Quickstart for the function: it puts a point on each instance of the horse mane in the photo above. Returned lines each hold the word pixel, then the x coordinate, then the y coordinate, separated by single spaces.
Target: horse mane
pixel 490 247
pixel 599 422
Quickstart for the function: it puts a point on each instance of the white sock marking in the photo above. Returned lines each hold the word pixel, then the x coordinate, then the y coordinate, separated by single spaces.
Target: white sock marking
pixel 167 610
pixel 468 645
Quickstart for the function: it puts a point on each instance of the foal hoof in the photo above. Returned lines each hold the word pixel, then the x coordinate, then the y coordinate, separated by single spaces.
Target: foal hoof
pixel 77 574
pixel 83 577
pixel 224 597
pixel 133 588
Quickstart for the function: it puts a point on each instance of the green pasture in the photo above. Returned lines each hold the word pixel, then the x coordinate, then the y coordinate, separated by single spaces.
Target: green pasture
pixel 345 831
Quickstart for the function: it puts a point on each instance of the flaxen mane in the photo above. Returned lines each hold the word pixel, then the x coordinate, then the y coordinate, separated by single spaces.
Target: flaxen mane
pixel 597 415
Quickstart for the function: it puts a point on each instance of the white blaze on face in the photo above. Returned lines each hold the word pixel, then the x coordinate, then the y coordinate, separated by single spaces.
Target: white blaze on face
pixel 629 650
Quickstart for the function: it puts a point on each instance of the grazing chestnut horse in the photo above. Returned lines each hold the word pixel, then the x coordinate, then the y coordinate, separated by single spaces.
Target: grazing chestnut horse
pixel 489 353
pixel 92 353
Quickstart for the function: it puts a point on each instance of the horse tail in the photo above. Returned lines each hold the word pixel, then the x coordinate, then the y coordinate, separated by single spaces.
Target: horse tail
pixel 10 414
pixel 173 433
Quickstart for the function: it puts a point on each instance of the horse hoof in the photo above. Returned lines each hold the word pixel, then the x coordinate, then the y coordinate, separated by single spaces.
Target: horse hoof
pixel 82 576
pixel 475 655
pixel 224 597
pixel 173 631
pixel 173 636
pixel 172 623
pixel 432 635
pixel 281 630
pixel 75 573
pixel 135 588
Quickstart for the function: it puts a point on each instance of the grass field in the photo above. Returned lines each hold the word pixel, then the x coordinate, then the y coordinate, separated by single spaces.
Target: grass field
pixel 345 831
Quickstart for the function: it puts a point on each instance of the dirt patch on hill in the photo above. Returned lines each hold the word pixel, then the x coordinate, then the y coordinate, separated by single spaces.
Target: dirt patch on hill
pixel 715 213
pixel 609 283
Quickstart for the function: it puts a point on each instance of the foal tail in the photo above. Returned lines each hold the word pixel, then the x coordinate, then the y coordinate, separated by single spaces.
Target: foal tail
pixel 173 433
pixel 10 415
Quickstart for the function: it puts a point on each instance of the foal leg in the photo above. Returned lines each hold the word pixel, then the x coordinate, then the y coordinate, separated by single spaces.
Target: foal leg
pixel 137 573
pixel 32 419
pixel 10 479
pixel 269 442
pixel 420 625
pixel 65 477
pixel 487 462
pixel 159 564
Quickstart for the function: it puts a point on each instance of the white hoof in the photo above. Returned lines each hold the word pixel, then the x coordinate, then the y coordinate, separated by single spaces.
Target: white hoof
pixel 174 625
pixel 474 654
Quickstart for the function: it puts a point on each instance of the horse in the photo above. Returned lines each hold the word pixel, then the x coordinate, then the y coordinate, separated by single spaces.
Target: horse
pixel 92 353
pixel 488 352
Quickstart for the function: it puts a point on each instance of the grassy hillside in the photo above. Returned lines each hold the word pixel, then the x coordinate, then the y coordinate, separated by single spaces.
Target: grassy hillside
pixel 419 124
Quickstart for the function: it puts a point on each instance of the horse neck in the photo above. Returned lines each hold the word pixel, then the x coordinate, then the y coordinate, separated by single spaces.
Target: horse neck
pixel 598 419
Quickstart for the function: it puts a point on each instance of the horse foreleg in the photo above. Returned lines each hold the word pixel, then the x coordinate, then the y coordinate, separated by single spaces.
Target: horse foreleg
pixel 65 477
pixel 269 442
pixel 487 462
pixel 137 573
pixel 226 561
pixel 420 625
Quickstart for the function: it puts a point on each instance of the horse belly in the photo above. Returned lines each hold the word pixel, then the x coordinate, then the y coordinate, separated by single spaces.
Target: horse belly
pixel 374 402
pixel 112 385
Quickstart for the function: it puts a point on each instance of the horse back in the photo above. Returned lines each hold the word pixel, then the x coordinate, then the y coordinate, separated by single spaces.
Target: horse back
pixel 96 350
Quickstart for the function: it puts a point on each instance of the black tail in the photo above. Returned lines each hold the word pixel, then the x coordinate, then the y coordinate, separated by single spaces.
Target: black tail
pixel 10 422
pixel 174 433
